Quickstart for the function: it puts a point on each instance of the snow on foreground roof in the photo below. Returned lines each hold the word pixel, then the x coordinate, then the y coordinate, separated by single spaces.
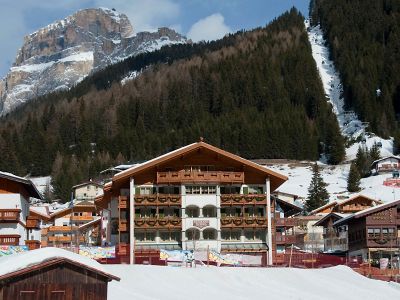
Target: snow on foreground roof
pixel 172 283
pixel 16 262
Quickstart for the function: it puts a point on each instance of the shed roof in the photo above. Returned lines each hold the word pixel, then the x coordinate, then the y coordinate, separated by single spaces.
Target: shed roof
pixel 26 262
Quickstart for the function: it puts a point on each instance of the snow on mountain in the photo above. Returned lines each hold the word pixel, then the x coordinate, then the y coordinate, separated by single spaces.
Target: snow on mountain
pixel 351 127
pixel 300 174
pixel 63 53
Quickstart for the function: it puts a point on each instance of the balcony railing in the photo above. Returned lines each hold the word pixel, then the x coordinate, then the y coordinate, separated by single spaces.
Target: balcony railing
pixel 123 225
pixel 62 228
pixel 151 200
pixel 82 218
pixel 166 222
pixel 235 199
pixel 285 239
pixel 32 223
pixel 243 222
pixel 286 222
pixel 195 176
pixel 12 240
pixel 65 238
pixel 7 215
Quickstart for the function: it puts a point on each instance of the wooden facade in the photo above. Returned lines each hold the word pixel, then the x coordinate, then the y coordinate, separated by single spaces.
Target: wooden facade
pixel 374 229
pixel 58 278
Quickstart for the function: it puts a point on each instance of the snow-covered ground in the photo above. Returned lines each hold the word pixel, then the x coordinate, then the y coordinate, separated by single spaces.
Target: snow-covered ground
pixel 351 127
pixel 300 174
pixel 41 183
pixel 157 282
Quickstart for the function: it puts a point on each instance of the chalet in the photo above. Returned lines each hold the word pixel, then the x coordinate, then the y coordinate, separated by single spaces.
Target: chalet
pixel 51 273
pixel 65 224
pixel 87 191
pixel 386 164
pixel 374 232
pixel 335 239
pixel 195 197
pixel 16 224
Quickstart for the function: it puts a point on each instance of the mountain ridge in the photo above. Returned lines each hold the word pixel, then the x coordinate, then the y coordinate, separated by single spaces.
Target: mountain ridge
pixel 60 55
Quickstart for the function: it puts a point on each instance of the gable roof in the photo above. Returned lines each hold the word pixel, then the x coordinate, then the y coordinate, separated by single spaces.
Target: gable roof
pixel 339 216
pixel 358 196
pixel 329 204
pixel 87 183
pixel 30 187
pixel 368 211
pixel 276 178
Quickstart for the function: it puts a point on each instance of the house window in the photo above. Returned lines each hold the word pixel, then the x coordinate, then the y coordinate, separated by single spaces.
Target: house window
pixel 228 189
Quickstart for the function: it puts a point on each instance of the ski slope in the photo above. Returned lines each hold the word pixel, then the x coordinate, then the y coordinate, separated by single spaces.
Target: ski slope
pixel 350 126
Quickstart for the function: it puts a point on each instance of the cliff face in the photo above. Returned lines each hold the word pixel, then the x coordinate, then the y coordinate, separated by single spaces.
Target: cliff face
pixel 63 53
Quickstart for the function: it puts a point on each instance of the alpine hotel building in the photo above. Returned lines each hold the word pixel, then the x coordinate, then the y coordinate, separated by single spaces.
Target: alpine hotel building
pixel 196 197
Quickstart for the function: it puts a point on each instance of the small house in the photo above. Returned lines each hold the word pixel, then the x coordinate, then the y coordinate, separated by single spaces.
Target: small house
pixel 51 273
pixel 386 165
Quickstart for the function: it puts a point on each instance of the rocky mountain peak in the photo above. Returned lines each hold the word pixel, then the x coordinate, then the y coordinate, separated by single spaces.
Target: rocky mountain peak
pixel 61 54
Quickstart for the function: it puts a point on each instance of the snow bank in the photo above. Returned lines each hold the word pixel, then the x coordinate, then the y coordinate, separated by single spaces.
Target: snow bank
pixel 24 260
pixel 157 282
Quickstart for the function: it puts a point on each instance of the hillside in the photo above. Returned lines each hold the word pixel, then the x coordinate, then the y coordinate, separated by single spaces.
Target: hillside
pixel 255 93
pixel 363 37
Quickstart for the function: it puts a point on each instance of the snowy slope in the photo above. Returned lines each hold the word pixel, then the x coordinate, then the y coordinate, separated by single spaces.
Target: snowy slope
pixel 351 127
pixel 336 177
pixel 172 283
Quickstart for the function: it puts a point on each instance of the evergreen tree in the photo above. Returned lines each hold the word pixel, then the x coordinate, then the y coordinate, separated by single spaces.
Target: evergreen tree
pixel 374 153
pixel 362 162
pixel 353 180
pixel 317 193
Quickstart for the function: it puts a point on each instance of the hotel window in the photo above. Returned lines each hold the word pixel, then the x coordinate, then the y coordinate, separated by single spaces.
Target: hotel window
pixel 145 190
pixel 209 234
pixel 169 189
pixel 229 235
pixel 227 189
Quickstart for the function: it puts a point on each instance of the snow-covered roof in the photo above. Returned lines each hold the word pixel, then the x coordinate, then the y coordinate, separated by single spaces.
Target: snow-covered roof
pixel 332 214
pixel 31 188
pixel 384 158
pixel 26 260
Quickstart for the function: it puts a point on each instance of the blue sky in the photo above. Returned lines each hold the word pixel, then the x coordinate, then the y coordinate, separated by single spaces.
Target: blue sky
pixel 198 19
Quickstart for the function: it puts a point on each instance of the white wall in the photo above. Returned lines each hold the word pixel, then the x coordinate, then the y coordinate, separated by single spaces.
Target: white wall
pixel 200 200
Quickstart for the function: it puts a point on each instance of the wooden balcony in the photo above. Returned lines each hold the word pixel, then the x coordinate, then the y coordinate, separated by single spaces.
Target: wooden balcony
pixel 9 215
pixel 32 223
pixel 286 222
pixel 62 228
pixel 200 177
pixel 82 218
pixel 166 222
pixel 237 199
pixel 123 249
pixel 151 200
pixel 285 239
pixel 123 225
pixel 244 222
pixel 32 244
pixel 63 239
pixel 123 202
pixel 10 239
pixel 158 200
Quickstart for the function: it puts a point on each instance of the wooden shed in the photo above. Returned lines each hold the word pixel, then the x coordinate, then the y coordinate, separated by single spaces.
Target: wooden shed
pixel 56 278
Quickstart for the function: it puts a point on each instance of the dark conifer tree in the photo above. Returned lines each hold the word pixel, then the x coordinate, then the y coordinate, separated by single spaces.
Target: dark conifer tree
pixel 353 179
pixel 317 193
